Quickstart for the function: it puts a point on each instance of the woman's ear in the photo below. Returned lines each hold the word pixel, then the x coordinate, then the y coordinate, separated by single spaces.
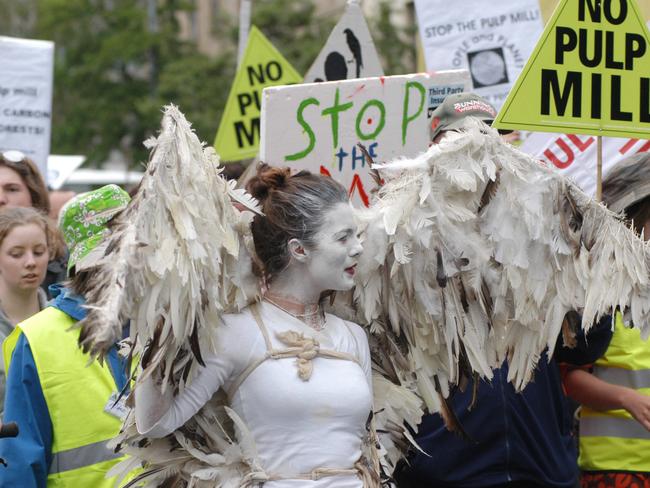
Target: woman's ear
pixel 297 250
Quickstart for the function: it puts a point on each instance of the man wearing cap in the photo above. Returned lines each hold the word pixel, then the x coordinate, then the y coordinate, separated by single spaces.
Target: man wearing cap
pixel 453 111
pixel 66 406
pixel 514 440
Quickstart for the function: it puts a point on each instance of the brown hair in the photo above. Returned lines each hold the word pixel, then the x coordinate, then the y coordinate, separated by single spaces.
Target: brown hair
pixel 293 207
pixel 639 214
pixel 10 218
pixel 33 180
pixel 627 188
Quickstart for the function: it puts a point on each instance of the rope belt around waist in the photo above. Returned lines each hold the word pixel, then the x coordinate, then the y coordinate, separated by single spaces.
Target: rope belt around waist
pixel 360 469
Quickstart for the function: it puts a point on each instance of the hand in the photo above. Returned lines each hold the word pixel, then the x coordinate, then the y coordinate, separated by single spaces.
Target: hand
pixel 638 405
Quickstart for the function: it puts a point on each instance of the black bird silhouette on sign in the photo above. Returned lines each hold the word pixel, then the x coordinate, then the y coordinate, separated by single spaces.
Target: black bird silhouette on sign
pixel 355 47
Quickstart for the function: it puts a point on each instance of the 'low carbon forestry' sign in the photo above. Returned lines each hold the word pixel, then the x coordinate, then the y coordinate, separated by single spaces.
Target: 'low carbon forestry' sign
pixel 589 73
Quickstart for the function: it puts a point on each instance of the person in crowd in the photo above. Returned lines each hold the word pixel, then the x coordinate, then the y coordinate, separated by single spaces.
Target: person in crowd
pixel 24 253
pixel 22 185
pixel 511 439
pixel 306 242
pixel 58 199
pixel 66 405
pixel 615 392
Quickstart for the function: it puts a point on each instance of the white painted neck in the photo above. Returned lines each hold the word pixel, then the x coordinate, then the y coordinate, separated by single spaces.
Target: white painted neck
pixel 295 283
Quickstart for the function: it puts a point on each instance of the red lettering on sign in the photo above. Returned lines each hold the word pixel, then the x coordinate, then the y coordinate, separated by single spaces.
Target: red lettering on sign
pixel 561 164
pixel 358 185
pixel 628 145
pixel 579 143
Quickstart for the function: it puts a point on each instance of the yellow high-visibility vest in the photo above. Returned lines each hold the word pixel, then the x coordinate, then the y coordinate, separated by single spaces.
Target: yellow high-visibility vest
pixel 76 394
pixel 614 440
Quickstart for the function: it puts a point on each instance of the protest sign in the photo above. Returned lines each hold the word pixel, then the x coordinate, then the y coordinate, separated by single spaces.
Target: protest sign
pixel 317 126
pixel 349 51
pixel 575 155
pixel 26 97
pixel 493 42
pixel 444 83
pixel 589 73
pixel 262 66
pixel 59 169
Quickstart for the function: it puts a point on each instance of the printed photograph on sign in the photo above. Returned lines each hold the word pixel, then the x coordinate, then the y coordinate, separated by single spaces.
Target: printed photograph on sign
pixel 492 43
pixel 487 67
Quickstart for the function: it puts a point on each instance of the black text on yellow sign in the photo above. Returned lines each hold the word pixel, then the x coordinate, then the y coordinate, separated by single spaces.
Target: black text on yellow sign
pixel 597 48
pixel 589 73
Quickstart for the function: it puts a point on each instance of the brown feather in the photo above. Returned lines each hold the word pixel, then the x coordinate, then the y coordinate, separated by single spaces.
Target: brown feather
pixel 374 174
pixel 441 277
pixel 196 347
pixel 489 192
pixel 449 416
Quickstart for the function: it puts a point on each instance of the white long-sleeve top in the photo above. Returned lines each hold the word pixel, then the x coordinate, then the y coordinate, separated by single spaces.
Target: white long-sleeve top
pixel 297 425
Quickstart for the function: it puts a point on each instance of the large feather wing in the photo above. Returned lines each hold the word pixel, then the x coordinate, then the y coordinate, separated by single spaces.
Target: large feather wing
pixel 177 258
pixel 474 253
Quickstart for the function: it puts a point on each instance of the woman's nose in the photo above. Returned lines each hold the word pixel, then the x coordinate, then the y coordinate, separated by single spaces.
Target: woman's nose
pixel 356 248
pixel 31 260
pixel 3 198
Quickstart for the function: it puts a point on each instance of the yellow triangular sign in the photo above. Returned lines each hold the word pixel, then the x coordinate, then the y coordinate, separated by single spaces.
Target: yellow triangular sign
pixel 262 65
pixel 588 74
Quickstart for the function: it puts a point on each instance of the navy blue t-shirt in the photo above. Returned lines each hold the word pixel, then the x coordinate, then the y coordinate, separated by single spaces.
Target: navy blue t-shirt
pixel 523 437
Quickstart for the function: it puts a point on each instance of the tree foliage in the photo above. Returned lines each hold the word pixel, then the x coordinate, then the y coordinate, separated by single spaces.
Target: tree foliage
pixel 116 66
pixel 395 45
pixel 294 29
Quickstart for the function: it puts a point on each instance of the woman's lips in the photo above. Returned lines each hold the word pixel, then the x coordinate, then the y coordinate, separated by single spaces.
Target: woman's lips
pixel 351 270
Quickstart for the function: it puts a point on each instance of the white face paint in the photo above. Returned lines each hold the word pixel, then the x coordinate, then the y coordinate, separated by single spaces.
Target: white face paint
pixel 332 262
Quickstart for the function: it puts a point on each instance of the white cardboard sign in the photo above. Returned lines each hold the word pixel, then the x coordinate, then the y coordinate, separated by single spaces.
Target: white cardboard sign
pixel 575 155
pixel 491 39
pixel 26 97
pixel 317 126
pixel 349 51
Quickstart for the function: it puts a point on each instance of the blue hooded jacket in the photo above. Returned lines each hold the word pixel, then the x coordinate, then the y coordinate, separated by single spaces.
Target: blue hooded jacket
pixel 29 455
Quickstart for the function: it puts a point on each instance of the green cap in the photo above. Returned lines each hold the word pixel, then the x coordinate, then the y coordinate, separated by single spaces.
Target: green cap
pixel 453 110
pixel 83 219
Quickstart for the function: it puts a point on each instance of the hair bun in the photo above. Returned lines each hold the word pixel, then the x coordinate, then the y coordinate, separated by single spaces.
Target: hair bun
pixel 267 178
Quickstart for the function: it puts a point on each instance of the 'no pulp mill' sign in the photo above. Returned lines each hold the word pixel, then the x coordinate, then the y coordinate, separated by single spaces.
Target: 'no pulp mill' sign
pixel 588 74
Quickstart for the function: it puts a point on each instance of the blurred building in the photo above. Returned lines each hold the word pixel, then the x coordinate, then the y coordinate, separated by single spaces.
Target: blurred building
pixel 209 16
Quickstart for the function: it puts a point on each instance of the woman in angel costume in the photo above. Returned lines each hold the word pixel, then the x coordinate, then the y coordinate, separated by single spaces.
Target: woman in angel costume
pixel 299 378
pixel 472 254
